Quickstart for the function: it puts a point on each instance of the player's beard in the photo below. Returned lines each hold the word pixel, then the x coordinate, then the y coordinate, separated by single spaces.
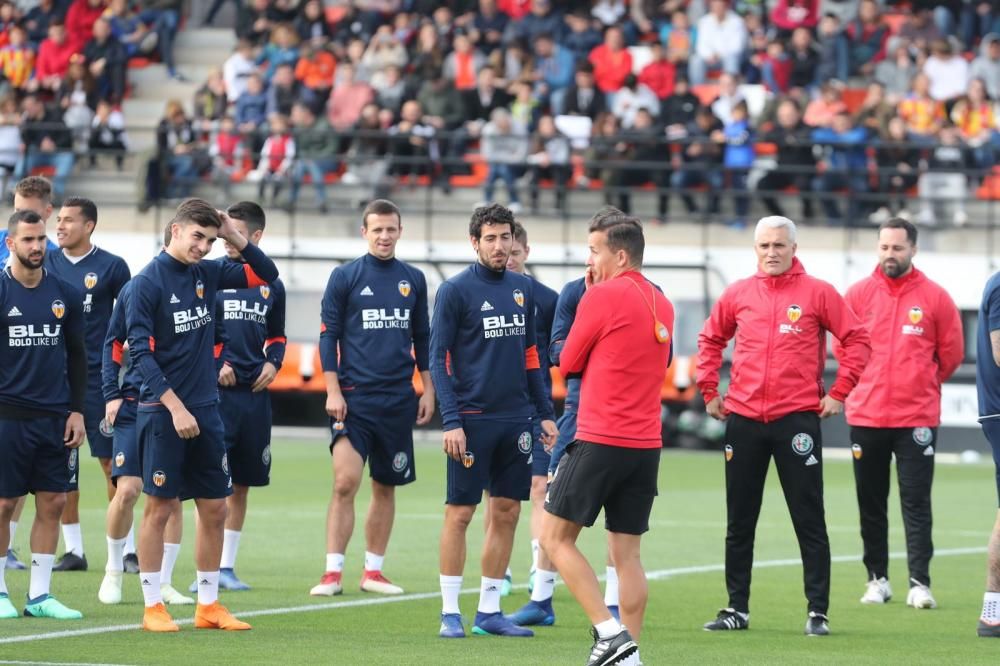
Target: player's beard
pixel 32 260
pixel 894 268
pixel 494 261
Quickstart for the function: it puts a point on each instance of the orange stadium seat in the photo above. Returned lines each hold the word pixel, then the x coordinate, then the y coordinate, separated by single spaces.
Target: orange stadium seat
pixel 706 92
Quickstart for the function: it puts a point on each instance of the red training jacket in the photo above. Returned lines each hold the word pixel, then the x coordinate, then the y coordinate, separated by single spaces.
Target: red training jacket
pixel 613 343
pixel 780 323
pixel 917 343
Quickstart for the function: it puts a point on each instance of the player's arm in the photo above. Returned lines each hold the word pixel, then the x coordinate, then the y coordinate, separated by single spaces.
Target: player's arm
pixel 421 330
pixel 569 299
pixel 120 278
pixel 140 313
pixel 838 318
pixel 274 346
pixel 950 339
pixel 536 380
pixel 331 328
pixel 444 331
pixel 258 270
pixel 76 372
pixel 111 362
pixel 993 322
pixel 716 333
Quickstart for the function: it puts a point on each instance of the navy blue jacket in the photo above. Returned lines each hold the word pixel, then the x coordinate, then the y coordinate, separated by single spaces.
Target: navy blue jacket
pixel 565 313
pixel 254 321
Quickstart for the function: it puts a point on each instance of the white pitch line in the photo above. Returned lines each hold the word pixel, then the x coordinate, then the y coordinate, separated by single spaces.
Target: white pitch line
pixel 378 601
pixel 55 663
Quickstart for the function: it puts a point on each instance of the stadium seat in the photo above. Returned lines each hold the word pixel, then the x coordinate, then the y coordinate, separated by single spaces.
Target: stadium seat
pixel 706 92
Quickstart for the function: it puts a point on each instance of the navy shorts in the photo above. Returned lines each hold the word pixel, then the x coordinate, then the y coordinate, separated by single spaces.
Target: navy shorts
pixel 380 428
pixel 126 442
pixel 246 417
pixel 567 433
pixel 173 467
pixel 991 428
pixel 34 456
pixel 540 458
pixel 94 410
pixel 500 462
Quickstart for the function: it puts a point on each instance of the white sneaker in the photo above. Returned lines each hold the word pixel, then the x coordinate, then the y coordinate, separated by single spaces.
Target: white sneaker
pixel 877 591
pixel 374 581
pixel 330 585
pixel 960 218
pixel 173 597
pixel 111 588
pixel 920 596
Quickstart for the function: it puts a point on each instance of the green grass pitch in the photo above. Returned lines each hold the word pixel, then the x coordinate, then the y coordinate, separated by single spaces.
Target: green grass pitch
pixel 282 555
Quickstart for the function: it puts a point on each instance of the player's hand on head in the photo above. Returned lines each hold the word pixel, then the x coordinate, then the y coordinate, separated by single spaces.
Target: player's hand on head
pixel 454 444
pixel 425 408
pixel 829 407
pixel 336 407
pixel 716 409
pixel 227 377
pixel 185 424
pixel 550 433
pixel 266 376
pixel 111 410
pixel 74 433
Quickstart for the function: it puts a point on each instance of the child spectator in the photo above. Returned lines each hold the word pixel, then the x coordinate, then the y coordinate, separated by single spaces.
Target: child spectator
pixel 283 92
pixel 237 70
pixel 251 107
pixel 679 38
pixel 283 49
pixel 944 187
pixel 226 151
pixel 821 111
pixel 976 118
pixel 846 166
pixel 107 134
pixel 17 59
pixel 922 114
pixel 776 68
pixel 737 158
pixel 834 58
pixel 276 158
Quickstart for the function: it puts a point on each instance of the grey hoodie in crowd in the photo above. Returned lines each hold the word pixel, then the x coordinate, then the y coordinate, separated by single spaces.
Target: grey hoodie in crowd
pixel 986 68
pixel 501 147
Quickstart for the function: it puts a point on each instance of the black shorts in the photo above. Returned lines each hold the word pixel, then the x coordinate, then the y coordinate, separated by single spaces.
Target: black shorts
pixel 246 416
pixel 379 426
pixel 991 428
pixel 126 442
pixel 620 480
pixel 500 462
pixel 34 457
pixel 173 467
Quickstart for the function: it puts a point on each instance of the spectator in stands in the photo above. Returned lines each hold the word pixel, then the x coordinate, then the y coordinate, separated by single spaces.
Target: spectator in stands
pixel 677 111
pixel 919 29
pixel 846 167
pixel 790 15
pixel 251 107
pixel 525 109
pixel 679 38
pixel 822 110
pixel 867 36
pixel 390 90
pixel 10 16
pixel 658 76
pixel 254 23
pixel 177 146
pixel 355 55
pixel 106 60
pixel 549 160
pixel 460 66
pixel 875 111
pixel 47 143
pixel 834 51
pixel 700 157
pixel 480 103
pixel 413 147
pixel 237 70
pixel 750 68
pixel 315 71
pixel 53 58
pixel 504 147
pixel 516 62
pixel 77 99
pixel 643 154
pixel 612 62
pixel 347 99
pixel 896 72
pixel 632 97
pixel 649 16
pixel 776 68
pixel 10 140
pixel 898 163
pixel 922 114
pixel 795 163
pixel 216 7
pixel 165 17
pixel 80 21
pixel 737 158
pixel 541 20
pixel 488 27
pixel 722 39
pixel 804 60
pixel 107 134
pixel 386 51
pixel 367 163
pixel 276 158
pixel 17 60
pixel 316 152
pixel 948 72
pixel 944 187
pixel 226 150
pixel 311 25
pixel 554 68
pixel 135 36
pixel 975 116
pixel 38 18
pixel 282 49
pixel 604 154
pixel 441 103
pixel 427 53
pixel 987 65
pixel 583 98
pixel 613 12
pixel 581 38
pixel 210 102
pixel 729 96
pixel 284 92
pixel 978 19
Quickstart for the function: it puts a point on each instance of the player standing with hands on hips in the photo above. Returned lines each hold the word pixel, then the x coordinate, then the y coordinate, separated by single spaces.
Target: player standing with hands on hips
pixel 780 317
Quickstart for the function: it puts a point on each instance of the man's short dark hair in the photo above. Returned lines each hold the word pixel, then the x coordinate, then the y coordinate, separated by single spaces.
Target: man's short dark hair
pixel 900 223
pixel 380 207
pixel 197 211
pixel 87 207
pixel 520 234
pixel 623 232
pixel 492 215
pixel 168 233
pixel 26 216
pixel 248 212
pixel 34 187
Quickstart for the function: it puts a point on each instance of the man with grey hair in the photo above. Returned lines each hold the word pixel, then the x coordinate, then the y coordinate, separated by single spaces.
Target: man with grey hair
pixel 780 317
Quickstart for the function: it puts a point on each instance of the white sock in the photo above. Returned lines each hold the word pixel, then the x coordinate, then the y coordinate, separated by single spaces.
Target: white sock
pixel 3 568
pixel 611 587
pixel 450 587
pixel 373 562
pixel 608 628
pixel 508 574
pixel 335 562
pixel 130 541
pixel 534 554
pixel 41 574
pixel 230 546
pixel 545 585
pixel 73 538
pixel 151 588
pixel 991 607
pixel 13 531
pixel 208 587
pixel 170 553
pixel 116 550
pixel 489 595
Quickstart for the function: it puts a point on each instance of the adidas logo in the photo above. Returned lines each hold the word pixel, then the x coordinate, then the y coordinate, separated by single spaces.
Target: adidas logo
pixel 486 307
pixel 174 299
pixel 811 460
pixel 203 581
pixel 14 312
pixel 367 291
pixel 35 563
pixel 929 451
pixel 491 588
pixel 145 581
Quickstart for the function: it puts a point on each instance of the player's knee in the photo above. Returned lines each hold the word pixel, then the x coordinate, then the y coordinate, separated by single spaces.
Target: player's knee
pixel 538 487
pixel 459 517
pixel 127 492
pixel 105 466
pixel 7 506
pixel 504 512
pixel 158 511
pixel 345 486
pixel 212 513
pixel 49 506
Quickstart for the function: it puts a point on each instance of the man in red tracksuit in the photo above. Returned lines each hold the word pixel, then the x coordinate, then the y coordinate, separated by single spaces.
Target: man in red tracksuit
pixel 917 343
pixel 780 317
pixel 620 342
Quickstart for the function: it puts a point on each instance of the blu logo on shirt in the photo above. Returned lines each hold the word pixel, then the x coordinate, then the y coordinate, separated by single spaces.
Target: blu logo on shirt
pixel 374 318
pixel 189 320
pixel 241 309
pixel 500 327
pixel 27 335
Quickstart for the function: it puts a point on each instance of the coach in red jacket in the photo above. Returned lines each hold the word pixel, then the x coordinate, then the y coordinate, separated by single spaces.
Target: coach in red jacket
pixel 620 342
pixel 780 318
pixel 917 343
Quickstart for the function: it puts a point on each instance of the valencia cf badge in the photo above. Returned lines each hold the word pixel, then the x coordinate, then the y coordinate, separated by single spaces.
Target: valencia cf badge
pixel 265 292
pixel 729 452
pixel 90 280
pixel 199 289
pixel 916 314
pixel 404 288
pixel 856 451
pixel 794 313
pixel 159 478
pixel 469 459
pixel 58 309
pixel 519 297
